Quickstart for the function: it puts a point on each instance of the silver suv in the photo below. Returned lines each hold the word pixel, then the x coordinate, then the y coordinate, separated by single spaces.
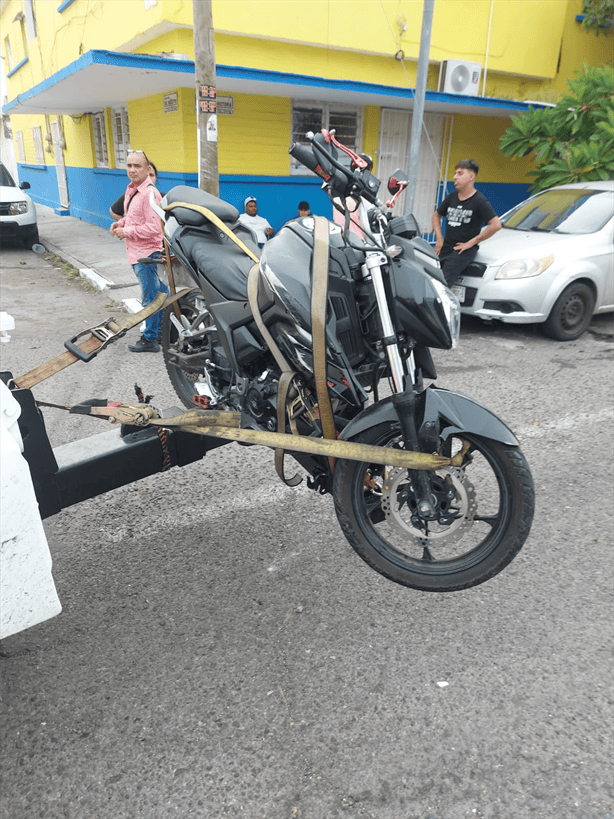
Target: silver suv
pixel 17 211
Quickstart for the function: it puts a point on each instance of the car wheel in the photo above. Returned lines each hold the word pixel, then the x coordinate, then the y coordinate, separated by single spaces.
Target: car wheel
pixel 31 238
pixel 571 314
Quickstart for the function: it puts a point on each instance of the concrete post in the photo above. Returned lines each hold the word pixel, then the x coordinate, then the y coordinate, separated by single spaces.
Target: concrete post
pixel 417 117
pixel 206 93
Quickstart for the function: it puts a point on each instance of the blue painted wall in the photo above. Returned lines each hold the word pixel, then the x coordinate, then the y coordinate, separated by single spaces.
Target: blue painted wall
pixel 93 190
pixel 277 196
pixel 43 183
pixel 502 196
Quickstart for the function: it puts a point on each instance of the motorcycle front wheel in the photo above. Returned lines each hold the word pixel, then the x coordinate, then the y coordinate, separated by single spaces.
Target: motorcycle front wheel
pixel 484 512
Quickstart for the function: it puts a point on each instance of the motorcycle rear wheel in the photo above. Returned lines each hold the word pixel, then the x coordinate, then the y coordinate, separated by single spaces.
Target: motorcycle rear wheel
pixel 485 513
pixel 184 382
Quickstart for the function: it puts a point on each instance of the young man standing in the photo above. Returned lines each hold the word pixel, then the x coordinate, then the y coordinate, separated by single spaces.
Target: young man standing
pixel 466 210
pixel 141 228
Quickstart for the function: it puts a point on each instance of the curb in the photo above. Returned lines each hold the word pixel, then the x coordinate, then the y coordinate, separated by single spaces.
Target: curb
pixel 95 279
pixel 132 305
pixel 86 272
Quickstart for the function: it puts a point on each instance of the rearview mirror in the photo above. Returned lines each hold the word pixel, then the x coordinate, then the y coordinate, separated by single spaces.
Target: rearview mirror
pixel 396 177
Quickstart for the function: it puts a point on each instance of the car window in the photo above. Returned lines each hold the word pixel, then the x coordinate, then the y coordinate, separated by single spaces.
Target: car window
pixel 6 180
pixel 563 211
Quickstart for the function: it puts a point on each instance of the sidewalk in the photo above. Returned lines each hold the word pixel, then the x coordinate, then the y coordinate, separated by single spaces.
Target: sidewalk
pixel 99 257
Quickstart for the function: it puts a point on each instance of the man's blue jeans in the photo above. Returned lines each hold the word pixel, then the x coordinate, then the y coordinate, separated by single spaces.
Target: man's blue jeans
pixel 147 274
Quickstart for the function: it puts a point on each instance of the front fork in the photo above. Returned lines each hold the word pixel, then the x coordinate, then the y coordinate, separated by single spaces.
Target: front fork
pixel 373 268
pixel 404 397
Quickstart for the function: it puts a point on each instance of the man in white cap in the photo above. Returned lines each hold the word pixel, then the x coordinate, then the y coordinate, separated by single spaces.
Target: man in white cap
pixel 257 223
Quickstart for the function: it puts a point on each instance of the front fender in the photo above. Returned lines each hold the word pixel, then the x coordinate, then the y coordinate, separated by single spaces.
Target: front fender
pixel 451 410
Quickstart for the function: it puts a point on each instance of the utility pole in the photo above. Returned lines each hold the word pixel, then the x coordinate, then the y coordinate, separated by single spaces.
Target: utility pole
pixel 417 117
pixel 206 97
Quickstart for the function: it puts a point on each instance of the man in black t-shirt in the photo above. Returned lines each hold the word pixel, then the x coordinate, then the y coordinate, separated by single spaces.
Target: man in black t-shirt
pixel 466 210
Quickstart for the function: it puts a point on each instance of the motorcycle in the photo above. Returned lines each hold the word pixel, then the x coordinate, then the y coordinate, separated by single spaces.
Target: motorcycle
pixel 430 488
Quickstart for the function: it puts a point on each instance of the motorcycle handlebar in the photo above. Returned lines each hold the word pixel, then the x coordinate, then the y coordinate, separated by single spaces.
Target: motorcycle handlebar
pixel 306 157
pixel 321 158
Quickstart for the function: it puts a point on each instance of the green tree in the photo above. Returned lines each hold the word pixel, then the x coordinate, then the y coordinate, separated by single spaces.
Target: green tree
pixel 573 141
pixel 599 16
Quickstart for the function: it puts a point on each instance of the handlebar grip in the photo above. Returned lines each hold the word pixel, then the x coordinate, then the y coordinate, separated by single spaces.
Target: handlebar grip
pixel 306 157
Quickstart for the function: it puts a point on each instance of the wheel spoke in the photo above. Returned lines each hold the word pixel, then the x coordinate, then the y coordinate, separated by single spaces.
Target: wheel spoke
pixel 373 509
pixel 426 554
pixel 491 520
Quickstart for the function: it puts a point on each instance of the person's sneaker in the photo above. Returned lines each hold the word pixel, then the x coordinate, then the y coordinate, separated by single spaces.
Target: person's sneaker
pixel 144 345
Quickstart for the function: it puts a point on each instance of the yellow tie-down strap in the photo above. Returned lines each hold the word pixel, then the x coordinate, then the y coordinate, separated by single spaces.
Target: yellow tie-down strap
pixel 97 339
pixel 227 426
pixel 208 214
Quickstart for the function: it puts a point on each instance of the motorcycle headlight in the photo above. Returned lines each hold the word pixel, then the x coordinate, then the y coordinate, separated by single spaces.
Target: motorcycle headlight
pixel 15 208
pixel 524 268
pixel 451 308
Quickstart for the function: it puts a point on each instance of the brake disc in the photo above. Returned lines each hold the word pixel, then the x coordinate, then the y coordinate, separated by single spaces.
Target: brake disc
pixel 399 512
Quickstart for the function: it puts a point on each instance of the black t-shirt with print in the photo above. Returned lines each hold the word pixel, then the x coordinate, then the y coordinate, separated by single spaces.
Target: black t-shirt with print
pixel 464 218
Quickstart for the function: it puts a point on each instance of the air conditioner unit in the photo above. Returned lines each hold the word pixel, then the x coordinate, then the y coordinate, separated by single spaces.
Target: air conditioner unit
pixel 459 77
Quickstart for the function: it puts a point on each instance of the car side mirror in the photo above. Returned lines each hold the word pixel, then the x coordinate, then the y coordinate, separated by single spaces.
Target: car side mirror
pixel 24 186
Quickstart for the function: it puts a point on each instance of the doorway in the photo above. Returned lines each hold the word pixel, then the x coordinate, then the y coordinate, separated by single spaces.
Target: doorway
pixel 60 165
pixel 395 128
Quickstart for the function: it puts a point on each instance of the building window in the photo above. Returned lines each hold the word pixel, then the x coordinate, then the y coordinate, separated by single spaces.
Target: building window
pixel 9 53
pixel 313 116
pixel 100 140
pixel 121 136
pixel 22 29
pixel 21 154
pixel 30 19
pixel 37 139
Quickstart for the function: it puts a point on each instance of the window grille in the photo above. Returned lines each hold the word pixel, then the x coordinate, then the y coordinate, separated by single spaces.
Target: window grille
pixel 313 116
pixel 39 151
pixel 121 136
pixel 100 140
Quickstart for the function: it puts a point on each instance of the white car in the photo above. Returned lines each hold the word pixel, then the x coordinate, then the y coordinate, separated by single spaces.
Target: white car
pixel 552 263
pixel 17 211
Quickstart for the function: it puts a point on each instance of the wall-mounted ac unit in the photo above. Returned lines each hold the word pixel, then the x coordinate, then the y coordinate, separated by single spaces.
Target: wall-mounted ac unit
pixel 459 77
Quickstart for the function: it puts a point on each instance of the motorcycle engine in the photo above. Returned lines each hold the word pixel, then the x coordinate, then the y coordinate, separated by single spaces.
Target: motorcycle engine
pixel 259 400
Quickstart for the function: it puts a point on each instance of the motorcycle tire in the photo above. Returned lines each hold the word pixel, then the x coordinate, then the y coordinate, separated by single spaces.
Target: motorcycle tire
pixel 485 510
pixel 183 381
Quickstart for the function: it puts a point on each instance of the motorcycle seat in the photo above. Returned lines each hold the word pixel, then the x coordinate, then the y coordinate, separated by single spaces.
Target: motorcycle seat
pixel 195 196
pixel 220 261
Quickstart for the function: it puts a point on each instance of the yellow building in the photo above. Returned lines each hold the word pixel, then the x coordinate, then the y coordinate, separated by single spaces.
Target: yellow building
pixel 89 79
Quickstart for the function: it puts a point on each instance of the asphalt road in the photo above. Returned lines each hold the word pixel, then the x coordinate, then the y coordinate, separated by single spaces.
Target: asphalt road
pixel 223 652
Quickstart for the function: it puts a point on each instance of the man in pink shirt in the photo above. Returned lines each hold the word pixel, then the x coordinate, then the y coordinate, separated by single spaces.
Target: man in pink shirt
pixel 142 231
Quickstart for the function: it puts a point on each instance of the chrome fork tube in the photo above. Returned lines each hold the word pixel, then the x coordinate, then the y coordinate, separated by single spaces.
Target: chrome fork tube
pixel 374 264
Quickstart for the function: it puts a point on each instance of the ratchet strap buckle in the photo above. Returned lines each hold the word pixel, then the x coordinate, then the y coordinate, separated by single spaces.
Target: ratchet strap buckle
pixel 102 332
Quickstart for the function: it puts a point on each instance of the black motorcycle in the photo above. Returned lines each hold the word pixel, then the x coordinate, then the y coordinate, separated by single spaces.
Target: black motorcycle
pixel 302 339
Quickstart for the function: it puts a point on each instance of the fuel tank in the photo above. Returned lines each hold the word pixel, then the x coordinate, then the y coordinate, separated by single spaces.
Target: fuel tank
pixel 286 265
